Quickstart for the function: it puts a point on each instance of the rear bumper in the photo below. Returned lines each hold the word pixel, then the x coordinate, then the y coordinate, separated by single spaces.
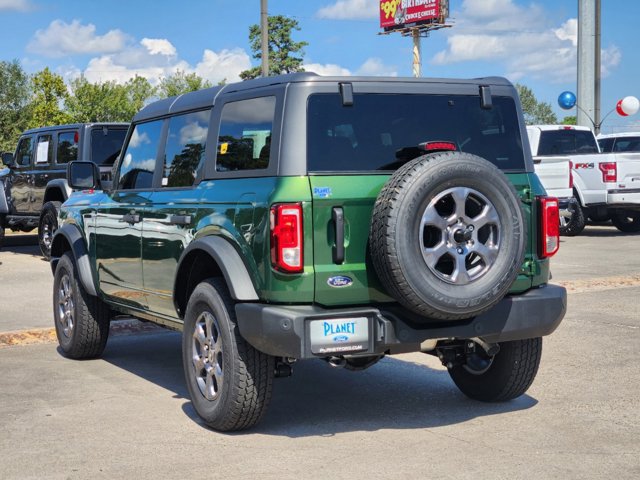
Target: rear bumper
pixel 284 331
pixel 622 197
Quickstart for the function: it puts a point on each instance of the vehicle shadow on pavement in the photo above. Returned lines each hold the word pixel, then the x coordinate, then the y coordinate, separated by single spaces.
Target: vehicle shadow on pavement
pixel 319 400
pixel 21 244
pixel 599 231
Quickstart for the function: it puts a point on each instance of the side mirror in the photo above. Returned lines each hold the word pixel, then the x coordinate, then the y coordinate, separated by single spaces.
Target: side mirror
pixel 7 159
pixel 83 175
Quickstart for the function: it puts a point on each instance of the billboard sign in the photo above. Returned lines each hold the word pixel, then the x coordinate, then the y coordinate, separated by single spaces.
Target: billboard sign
pixel 400 13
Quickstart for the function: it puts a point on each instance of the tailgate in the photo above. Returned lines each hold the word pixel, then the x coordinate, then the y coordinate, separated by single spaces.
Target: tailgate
pixel 628 165
pixel 554 173
pixel 346 277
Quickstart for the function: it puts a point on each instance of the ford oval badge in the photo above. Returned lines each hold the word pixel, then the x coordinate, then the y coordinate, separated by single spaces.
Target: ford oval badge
pixel 340 338
pixel 339 281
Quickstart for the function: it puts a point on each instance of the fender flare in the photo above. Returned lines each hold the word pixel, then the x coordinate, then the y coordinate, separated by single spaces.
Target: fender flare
pixel 58 184
pixel 69 237
pixel 4 205
pixel 231 265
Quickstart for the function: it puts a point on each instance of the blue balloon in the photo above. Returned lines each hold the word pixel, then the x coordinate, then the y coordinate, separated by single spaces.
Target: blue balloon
pixel 567 100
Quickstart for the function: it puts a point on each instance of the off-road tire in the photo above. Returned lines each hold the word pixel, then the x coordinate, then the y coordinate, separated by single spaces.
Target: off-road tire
pixel 84 333
pixel 396 235
pixel 575 225
pixel 627 222
pixel 47 225
pixel 510 374
pixel 246 375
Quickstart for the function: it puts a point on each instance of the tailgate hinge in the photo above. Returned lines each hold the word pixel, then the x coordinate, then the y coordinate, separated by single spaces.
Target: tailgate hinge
pixel 526 195
pixel 529 268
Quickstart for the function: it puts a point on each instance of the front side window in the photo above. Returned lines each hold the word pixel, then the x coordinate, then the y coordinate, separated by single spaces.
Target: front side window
pixel 24 152
pixel 44 150
pixel 106 143
pixel 244 141
pixel 184 154
pixel 383 131
pixel 139 160
pixel 67 147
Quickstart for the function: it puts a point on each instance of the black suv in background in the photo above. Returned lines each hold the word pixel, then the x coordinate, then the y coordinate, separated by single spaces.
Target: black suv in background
pixel 33 183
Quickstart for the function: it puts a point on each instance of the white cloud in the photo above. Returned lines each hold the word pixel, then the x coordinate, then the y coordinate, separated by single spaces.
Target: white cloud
pixel 157 58
pixel 158 46
pixel 372 66
pixel 15 5
pixel 520 38
pixel 223 65
pixel 327 70
pixel 193 133
pixel 60 39
pixel 350 9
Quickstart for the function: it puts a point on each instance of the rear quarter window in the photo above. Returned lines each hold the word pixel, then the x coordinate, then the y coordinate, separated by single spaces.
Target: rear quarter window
pixel 375 132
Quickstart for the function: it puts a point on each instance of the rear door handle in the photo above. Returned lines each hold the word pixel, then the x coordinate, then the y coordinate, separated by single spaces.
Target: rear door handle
pixel 180 219
pixel 131 218
pixel 337 215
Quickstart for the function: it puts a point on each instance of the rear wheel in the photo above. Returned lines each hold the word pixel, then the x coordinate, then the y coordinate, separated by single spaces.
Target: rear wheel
pixel 81 320
pixel 627 221
pixel 229 381
pixel 505 376
pixel 575 224
pixel 47 226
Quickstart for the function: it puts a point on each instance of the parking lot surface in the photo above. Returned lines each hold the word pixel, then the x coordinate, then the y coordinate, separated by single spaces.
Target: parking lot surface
pixel 128 414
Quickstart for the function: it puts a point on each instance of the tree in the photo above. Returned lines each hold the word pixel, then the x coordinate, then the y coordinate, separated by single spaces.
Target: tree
pixel 49 91
pixel 181 82
pixel 569 120
pixel 103 102
pixel 535 112
pixel 139 92
pixel 285 55
pixel 15 109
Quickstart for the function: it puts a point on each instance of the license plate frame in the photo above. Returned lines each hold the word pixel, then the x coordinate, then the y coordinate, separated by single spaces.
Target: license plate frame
pixel 339 336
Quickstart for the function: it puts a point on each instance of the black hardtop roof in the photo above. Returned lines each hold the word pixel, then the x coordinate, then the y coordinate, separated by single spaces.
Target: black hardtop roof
pixel 205 98
pixel 70 126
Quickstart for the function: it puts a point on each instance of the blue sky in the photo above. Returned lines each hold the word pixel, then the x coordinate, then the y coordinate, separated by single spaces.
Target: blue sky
pixel 531 42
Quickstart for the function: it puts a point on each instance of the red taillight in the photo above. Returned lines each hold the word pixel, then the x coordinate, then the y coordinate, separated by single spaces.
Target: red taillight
pixel 286 237
pixel 570 174
pixel 431 146
pixel 549 226
pixel 609 171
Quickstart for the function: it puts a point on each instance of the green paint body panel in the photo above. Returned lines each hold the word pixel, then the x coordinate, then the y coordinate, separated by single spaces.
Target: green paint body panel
pixel 135 265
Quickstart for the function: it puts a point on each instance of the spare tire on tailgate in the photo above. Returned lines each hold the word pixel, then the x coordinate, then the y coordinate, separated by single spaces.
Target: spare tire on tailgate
pixel 448 235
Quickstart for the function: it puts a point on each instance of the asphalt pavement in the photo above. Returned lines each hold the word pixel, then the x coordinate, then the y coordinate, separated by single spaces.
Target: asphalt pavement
pixel 128 415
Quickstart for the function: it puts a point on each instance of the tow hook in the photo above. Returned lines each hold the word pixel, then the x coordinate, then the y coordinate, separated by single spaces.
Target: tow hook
pixel 284 367
pixel 337 362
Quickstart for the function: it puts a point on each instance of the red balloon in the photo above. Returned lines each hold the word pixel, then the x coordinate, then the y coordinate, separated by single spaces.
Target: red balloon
pixel 619 109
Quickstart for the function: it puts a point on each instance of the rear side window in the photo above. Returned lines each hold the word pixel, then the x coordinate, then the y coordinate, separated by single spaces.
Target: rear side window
pixel 567 142
pixel 67 147
pixel 184 153
pixel 244 141
pixel 24 151
pixel 139 160
pixel 379 130
pixel 44 151
pixel 627 144
pixel 106 143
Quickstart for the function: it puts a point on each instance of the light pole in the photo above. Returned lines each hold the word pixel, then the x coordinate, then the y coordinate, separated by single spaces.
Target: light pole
pixel 264 34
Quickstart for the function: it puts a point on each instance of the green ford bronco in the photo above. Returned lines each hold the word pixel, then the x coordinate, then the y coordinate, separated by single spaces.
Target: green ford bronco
pixel 300 217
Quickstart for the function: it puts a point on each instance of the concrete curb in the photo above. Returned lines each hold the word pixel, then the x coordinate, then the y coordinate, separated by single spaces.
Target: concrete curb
pixel 48 335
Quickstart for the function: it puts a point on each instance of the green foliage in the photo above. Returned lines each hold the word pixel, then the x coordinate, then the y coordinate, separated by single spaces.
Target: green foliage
pixel 180 83
pixel 15 109
pixel 107 101
pixel 569 120
pixel 49 91
pixel 535 112
pixel 285 55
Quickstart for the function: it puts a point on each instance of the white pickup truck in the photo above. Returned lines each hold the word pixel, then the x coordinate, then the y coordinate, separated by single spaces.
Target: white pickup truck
pixel 557 178
pixel 606 185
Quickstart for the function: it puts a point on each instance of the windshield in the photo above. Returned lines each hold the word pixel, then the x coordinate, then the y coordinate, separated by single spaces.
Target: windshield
pixel 106 143
pixel 567 142
pixel 378 130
